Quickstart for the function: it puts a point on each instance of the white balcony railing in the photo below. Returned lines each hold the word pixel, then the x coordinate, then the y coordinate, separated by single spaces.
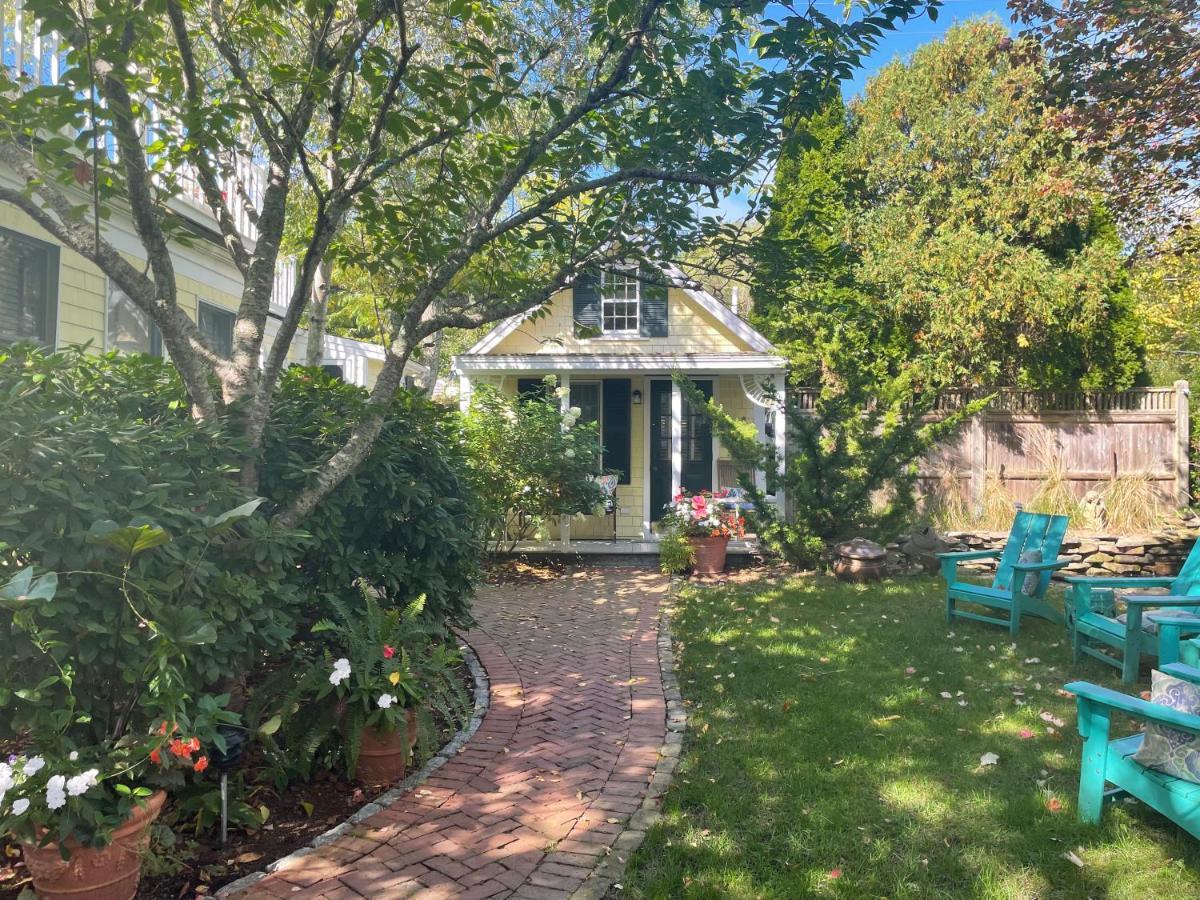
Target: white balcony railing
pixel 43 58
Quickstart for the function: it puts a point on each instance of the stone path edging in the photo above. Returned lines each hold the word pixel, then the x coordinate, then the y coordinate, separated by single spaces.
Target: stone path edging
pixel 483 698
pixel 610 869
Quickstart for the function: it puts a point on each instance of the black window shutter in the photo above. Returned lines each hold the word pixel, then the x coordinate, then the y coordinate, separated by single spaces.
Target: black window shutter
pixel 617 419
pixel 585 295
pixel 654 305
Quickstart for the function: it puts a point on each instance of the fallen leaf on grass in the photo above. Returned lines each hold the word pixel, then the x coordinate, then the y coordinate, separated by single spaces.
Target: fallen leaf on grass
pixel 1072 857
pixel 1054 805
pixel 1026 734
pixel 1052 719
pixel 989 759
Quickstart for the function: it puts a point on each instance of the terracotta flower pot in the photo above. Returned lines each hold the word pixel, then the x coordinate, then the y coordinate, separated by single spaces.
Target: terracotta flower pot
pixel 710 554
pixel 410 721
pixel 107 873
pixel 382 756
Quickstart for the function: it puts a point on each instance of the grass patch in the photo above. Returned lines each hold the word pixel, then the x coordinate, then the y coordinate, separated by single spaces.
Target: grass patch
pixel 817 765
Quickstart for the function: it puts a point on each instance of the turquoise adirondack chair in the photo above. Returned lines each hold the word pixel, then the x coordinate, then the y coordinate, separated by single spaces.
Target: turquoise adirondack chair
pixel 1152 625
pixel 1035 537
pixel 1110 762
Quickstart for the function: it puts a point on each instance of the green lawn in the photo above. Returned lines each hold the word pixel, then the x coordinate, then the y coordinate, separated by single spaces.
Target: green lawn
pixel 834 748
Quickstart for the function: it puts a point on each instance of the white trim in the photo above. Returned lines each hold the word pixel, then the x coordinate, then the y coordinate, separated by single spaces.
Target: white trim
pixel 646 448
pixel 620 362
pixel 722 313
pixel 676 438
pixel 564 406
pixel 499 333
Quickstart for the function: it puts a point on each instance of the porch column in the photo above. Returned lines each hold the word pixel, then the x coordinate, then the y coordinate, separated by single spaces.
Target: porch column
pixel 464 393
pixel 676 438
pixel 564 404
pixel 781 438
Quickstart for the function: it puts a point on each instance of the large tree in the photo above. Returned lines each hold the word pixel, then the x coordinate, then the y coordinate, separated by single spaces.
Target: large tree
pixel 1127 73
pixel 981 231
pixel 489 151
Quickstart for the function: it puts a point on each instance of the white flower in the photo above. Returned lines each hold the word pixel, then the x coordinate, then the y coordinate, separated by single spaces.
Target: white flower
pixel 19 806
pixel 341 671
pixel 56 797
pixel 569 454
pixel 74 755
pixel 574 412
pixel 386 700
pixel 6 777
pixel 33 765
pixel 82 782
pixel 562 393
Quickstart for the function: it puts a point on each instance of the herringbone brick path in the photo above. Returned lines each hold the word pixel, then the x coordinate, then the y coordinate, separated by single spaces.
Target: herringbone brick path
pixel 562 758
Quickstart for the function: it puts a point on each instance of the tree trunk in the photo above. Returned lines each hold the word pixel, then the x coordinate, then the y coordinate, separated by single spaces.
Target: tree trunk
pixel 314 352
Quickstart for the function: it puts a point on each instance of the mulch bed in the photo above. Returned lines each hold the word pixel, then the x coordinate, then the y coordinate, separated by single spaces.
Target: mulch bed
pixel 204 865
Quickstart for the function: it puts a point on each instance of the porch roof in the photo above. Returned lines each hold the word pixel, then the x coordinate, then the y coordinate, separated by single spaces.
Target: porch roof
pixel 618 362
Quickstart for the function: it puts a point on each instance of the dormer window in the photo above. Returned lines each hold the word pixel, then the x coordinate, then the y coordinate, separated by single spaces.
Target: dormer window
pixel 620 303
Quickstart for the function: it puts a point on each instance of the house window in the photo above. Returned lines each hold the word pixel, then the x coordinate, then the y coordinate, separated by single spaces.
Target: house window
pixel 619 302
pixel 217 325
pixel 28 288
pixel 128 328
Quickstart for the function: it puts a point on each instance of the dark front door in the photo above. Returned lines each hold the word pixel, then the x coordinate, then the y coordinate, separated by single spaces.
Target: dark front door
pixel 695 449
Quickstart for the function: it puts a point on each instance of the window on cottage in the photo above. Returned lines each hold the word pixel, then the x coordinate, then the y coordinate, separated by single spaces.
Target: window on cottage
pixel 619 302
pixel 28 288
pixel 128 329
pixel 216 324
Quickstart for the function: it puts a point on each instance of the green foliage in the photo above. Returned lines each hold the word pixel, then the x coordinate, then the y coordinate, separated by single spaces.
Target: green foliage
pixel 404 521
pixel 675 553
pixel 982 235
pixel 163 564
pixel 529 462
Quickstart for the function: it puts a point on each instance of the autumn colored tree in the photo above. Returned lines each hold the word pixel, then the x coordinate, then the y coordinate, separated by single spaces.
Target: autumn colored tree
pixel 1125 76
pixel 981 231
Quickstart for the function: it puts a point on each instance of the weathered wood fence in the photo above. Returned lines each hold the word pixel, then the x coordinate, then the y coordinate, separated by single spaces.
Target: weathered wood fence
pixel 1090 437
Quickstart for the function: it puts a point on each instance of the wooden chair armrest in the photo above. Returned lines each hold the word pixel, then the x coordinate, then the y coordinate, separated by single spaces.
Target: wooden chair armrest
pixel 969 554
pixel 1103 581
pixel 1041 566
pixel 1158 600
pixel 1135 707
pixel 1182 671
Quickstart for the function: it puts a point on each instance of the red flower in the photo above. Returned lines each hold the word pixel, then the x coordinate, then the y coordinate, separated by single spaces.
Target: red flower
pixel 194 743
pixel 155 757
pixel 201 764
pixel 388 652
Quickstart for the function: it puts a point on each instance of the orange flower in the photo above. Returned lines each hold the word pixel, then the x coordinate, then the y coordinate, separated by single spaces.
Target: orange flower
pixel 194 743
pixel 155 756
pixel 180 749
pixel 201 764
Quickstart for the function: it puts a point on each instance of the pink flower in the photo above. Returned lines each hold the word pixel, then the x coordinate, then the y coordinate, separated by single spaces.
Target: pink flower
pixel 388 652
pixel 699 504
pixel 1026 734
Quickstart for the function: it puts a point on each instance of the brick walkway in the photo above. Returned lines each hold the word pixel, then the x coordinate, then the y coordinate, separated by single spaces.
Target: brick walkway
pixel 561 760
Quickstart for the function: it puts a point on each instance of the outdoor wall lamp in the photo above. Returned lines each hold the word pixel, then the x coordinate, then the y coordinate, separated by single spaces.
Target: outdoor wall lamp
pixel 636 396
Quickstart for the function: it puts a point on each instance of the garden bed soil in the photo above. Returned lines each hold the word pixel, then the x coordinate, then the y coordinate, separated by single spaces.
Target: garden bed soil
pixel 206 866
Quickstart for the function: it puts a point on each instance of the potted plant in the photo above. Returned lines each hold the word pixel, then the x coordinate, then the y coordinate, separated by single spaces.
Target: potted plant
pixel 366 673
pixel 97 752
pixel 707 526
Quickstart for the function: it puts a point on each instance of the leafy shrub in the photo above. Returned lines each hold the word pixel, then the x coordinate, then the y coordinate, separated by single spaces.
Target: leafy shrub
pixel 529 462
pixel 404 522
pixel 675 553
pixel 96 451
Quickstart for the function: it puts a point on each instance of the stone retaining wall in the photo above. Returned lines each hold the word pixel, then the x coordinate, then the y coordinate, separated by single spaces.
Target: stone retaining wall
pixel 1159 554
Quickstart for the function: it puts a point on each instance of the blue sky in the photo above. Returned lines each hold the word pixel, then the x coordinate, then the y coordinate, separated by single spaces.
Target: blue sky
pixel 898 43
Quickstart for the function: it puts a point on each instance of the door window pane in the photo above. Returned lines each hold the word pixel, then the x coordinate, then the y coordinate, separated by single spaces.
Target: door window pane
pixel 586 396
pixel 28 288
pixel 217 325
pixel 129 329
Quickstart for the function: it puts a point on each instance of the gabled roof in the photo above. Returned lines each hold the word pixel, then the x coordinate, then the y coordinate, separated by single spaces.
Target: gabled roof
pixel 706 301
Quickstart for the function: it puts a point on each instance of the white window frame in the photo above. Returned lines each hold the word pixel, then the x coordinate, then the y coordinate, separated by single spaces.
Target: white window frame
pixel 109 287
pixel 607 279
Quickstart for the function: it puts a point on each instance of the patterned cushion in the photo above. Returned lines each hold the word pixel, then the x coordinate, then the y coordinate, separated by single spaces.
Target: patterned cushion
pixel 1030 585
pixel 1168 749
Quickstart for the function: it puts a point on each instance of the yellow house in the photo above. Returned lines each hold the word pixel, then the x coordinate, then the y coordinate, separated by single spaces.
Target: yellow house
pixel 615 340
pixel 51 295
